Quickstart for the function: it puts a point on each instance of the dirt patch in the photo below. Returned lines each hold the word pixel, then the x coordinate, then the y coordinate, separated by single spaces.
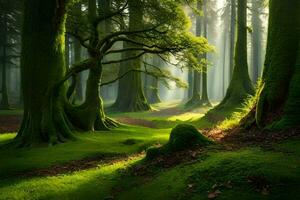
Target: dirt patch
pixel 241 137
pixel 137 122
pixel 9 124
pixel 73 166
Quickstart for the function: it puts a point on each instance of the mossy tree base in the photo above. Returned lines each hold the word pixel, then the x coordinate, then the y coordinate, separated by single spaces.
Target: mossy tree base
pixel 182 137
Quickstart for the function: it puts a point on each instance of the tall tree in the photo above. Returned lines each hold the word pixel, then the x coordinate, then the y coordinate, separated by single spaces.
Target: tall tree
pixel 42 64
pixel 256 38
pixel 195 100
pixel 279 97
pixel 240 85
pixel 131 95
pixel 204 97
pixel 10 17
pixel 152 83
pixel 232 37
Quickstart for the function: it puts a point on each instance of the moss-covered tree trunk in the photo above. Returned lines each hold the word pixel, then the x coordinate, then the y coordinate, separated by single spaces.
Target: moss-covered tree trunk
pixel 279 99
pixel 240 86
pixel 131 95
pixel 90 115
pixel 204 97
pixel 42 65
pixel 4 104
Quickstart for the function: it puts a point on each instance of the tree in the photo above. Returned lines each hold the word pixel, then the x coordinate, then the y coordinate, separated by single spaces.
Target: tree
pixel 240 86
pixel 42 64
pixel 256 38
pixel 151 89
pixel 279 97
pixel 131 96
pixel 195 99
pixel 10 33
pixel 204 96
pixel 232 37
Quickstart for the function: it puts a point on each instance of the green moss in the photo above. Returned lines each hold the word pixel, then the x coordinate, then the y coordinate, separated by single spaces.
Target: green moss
pixel 182 137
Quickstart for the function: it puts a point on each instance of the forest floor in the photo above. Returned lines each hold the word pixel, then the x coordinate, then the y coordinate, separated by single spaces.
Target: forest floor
pixel 111 165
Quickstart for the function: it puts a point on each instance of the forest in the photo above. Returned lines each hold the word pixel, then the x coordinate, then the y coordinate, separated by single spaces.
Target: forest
pixel 149 99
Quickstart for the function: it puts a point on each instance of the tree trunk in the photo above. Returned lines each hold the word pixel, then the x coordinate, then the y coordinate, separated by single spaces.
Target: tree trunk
pixel 42 65
pixel 240 86
pixel 90 115
pixel 224 60
pixel 279 100
pixel 4 104
pixel 152 84
pixel 79 82
pixel 131 96
pixel 204 97
pixel 195 100
pixel 190 82
pixel 232 37
pixel 256 40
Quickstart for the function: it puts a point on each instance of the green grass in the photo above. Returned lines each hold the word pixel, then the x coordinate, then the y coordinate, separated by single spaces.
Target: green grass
pixel 87 145
pixel 164 119
pixel 279 170
pixel 279 167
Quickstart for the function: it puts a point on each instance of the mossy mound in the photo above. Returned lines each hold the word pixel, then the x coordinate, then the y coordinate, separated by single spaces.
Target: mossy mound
pixel 182 137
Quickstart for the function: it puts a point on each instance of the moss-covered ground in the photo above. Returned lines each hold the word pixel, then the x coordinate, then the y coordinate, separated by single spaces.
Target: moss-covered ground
pixel 221 172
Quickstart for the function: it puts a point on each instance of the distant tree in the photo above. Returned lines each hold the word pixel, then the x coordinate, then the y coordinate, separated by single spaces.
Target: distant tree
pixel 257 30
pixel 10 14
pixel 232 36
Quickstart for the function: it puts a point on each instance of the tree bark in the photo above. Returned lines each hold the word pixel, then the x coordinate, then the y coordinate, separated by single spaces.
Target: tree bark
pixel 279 99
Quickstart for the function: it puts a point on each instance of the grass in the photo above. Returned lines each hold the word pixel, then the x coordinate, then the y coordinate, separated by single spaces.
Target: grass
pixel 279 169
pixel 87 145
pixel 167 115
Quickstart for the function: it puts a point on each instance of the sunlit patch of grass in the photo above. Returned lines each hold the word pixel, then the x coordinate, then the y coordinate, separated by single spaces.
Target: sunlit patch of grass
pixel 87 145
pixel 4 138
pixel 236 117
pixel 86 184
pixel 253 174
pixel 189 116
